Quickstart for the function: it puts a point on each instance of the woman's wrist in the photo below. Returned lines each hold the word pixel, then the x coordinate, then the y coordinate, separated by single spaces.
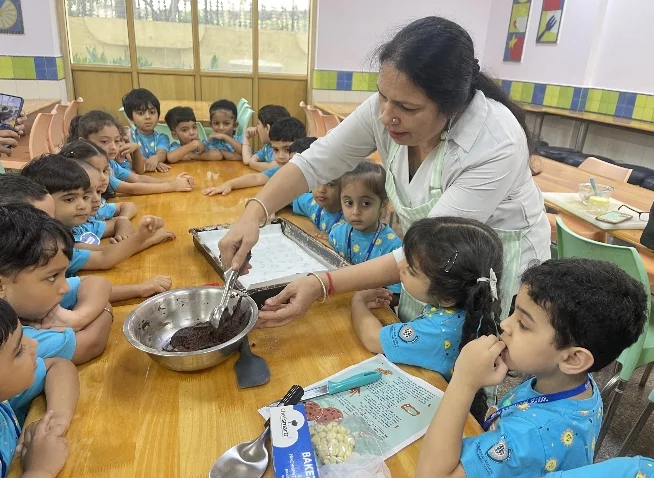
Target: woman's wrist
pixel 255 211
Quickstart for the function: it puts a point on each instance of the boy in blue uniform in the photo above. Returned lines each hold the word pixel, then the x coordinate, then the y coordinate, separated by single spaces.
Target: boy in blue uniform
pixel 23 376
pixel 70 318
pixel 222 144
pixel 266 118
pixel 184 128
pixel 282 135
pixel 143 108
pixel 572 317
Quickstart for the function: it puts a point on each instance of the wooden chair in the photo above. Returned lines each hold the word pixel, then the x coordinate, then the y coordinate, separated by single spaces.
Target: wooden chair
pixel 70 113
pixel 318 124
pixel 311 121
pixel 38 141
pixel 56 137
pixel 606 170
pixel 330 121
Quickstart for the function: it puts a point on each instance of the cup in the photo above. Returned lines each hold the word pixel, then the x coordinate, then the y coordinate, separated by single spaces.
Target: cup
pixel 586 191
pixel 599 205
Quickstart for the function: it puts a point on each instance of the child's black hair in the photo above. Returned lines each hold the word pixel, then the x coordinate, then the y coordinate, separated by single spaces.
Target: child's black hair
pixel 82 126
pixel 372 175
pixel 224 105
pixel 8 322
pixel 56 173
pixel 15 188
pixel 301 145
pixel 140 99
pixel 287 129
pixel 30 238
pixel 453 253
pixel 270 114
pixel 179 114
pixel 590 304
pixel 82 150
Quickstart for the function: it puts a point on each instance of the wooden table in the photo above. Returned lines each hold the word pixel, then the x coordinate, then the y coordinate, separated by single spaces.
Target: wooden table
pixel 138 419
pixel 342 110
pixel 200 108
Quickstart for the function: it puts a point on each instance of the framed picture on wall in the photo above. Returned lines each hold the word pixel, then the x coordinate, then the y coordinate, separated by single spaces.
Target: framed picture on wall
pixel 11 17
pixel 515 38
pixel 549 25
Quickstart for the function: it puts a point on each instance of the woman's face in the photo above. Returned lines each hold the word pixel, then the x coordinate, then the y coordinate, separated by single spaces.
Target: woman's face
pixel 418 120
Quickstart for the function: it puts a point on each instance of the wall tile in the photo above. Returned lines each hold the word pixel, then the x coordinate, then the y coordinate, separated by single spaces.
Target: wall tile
pixel 352 97
pixel 320 96
pixel 8 87
pixel 63 92
pixel 28 89
pixel 337 96
pixel 634 153
pixel 48 89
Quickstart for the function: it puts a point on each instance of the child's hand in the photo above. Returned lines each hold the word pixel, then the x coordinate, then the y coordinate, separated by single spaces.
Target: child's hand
pixel 223 189
pixel 46 453
pixel 128 148
pixel 188 177
pixel 59 424
pixel 162 168
pixel 251 132
pixel 122 230
pixel 158 237
pixel 480 364
pixel 151 164
pixel 373 298
pixel 59 319
pixel 199 146
pixel 322 235
pixel 183 183
pixel 150 224
pixel 156 285
pixel 218 136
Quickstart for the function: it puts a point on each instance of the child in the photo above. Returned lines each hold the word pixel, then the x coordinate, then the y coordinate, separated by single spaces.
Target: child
pixel 282 135
pixel 66 181
pixel 184 128
pixel 363 236
pixel 632 467
pixel 262 159
pixel 223 116
pixel 143 109
pixel 103 130
pixel 23 376
pixel 69 318
pixel 572 317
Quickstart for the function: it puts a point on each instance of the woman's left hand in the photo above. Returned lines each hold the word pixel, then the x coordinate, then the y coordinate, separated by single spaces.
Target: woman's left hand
pixel 20 124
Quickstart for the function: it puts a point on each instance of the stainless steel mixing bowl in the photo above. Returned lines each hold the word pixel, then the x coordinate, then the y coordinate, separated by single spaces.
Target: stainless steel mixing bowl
pixel 151 324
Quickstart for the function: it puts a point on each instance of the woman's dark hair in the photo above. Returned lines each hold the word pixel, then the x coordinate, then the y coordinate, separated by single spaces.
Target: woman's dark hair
pixel 453 253
pixel 372 175
pixel 87 124
pixel 439 57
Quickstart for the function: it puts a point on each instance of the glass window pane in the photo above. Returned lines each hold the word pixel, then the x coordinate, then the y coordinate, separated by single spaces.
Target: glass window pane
pixel 97 30
pixel 283 36
pixel 225 28
pixel 163 33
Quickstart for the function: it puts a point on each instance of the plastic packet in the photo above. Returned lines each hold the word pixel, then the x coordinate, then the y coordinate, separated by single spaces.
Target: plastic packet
pixel 358 466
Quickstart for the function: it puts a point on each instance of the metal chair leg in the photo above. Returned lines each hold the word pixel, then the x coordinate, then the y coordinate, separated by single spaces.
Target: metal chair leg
pixel 640 423
pixel 645 377
pixel 609 387
pixel 617 366
pixel 609 412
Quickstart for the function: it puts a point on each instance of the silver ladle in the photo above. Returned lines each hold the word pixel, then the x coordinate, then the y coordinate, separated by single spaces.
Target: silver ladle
pixel 231 276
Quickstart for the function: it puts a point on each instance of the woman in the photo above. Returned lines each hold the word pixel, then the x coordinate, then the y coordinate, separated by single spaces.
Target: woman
pixel 454 145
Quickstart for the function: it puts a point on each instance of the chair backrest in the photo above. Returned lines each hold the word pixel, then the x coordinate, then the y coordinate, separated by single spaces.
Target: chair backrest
pixel 319 124
pixel 330 121
pixel 56 136
pixel 571 244
pixel 311 121
pixel 38 141
pixel 244 121
pixel 241 103
pixel 121 110
pixel 70 113
pixel 163 128
pixel 606 170
pixel 202 133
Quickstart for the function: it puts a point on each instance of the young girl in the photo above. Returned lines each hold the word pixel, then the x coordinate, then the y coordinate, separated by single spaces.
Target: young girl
pixel 364 236
pixel 454 265
pixel 104 130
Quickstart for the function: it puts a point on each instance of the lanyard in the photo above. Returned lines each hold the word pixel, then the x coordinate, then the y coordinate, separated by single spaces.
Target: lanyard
pixel 370 247
pixel 319 215
pixel 552 397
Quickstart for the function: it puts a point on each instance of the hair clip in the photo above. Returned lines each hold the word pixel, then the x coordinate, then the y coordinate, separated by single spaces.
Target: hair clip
pixel 451 261
pixel 492 282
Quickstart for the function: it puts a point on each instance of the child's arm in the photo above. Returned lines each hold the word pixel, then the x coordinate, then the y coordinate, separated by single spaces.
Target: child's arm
pixel 479 365
pixel 126 209
pixel 43 454
pixel 156 285
pixel 61 393
pixel 232 156
pixel 138 162
pixel 246 181
pixel 261 165
pixel 366 325
pixel 142 178
pixel 229 140
pixel 246 147
pixel 92 339
pixel 211 155
pixel 183 183
pixel 122 229
pixel 180 153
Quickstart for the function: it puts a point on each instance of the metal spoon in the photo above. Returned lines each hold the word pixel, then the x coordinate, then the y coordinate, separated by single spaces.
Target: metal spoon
pixel 250 459
pixel 231 276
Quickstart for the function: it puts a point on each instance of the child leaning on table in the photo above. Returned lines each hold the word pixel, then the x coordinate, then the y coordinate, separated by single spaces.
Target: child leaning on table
pixel 222 143
pixel 266 118
pixel 184 128
pixel 23 376
pixel 572 317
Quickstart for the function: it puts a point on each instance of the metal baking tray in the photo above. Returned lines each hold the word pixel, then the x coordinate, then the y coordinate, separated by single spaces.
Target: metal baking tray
pixel 323 257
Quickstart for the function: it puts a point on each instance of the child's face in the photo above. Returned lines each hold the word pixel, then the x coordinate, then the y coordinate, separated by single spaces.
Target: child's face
pixel 328 196
pixel 145 119
pixel 35 292
pixel 109 139
pixel 281 152
pixel 415 282
pixel 262 131
pixel 101 164
pixel 529 338
pixel 223 121
pixel 72 208
pixel 93 192
pixel 186 132
pixel 47 205
pixel 361 207
pixel 17 364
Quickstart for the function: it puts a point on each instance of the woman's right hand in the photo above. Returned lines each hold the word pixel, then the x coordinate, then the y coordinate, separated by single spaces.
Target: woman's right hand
pixel 291 303
pixel 239 240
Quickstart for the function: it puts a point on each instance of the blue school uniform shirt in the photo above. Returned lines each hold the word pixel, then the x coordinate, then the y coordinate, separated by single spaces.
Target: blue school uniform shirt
pixel 270 172
pixel 90 232
pixel 360 242
pixel 114 182
pixel 219 144
pixel 107 211
pixel 118 171
pixel 150 144
pixel 307 206
pixel 265 154
pixel 430 341
pixel 535 439
pixel 126 165
pixel 628 467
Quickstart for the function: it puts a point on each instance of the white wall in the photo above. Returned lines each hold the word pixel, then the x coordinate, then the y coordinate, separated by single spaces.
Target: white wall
pixel 564 63
pixel 349 31
pixel 41 36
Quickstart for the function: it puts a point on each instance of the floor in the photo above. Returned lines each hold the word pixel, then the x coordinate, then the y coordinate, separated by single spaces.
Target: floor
pixel 632 404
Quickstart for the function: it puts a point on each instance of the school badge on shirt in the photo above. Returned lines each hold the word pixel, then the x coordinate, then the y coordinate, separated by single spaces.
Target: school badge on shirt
pixel 89 238
pixel 500 451
pixel 407 334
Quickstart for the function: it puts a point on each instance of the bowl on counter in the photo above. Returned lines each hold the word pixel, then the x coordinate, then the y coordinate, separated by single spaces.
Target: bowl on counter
pixel 586 191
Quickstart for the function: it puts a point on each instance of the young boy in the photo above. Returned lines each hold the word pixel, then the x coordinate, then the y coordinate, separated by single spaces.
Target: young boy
pixel 143 109
pixel 266 117
pixel 222 144
pixel 282 135
pixel 23 376
pixel 67 182
pixel 572 317
pixel 70 318
pixel 184 128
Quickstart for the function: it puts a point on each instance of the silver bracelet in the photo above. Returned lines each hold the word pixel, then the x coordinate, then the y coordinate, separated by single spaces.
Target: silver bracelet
pixel 265 209
pixel 322 284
